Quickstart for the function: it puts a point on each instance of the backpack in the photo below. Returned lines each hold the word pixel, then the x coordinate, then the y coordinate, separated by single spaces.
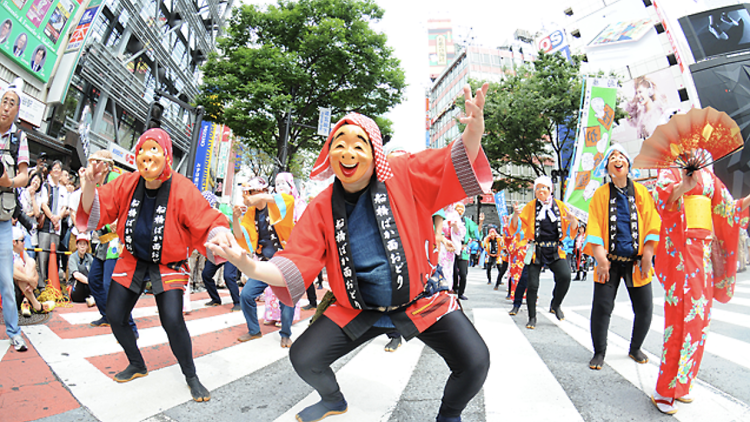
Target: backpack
pixel 9 161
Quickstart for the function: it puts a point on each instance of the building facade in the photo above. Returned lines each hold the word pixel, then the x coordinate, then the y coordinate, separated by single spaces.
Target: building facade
pixel 113 57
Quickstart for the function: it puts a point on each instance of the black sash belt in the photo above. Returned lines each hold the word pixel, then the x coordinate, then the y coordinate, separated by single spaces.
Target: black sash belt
pixel 618 258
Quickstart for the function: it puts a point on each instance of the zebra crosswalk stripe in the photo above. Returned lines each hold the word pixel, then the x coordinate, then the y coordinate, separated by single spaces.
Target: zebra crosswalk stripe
pixel 528 372
pixel 709 404
pixel 372 382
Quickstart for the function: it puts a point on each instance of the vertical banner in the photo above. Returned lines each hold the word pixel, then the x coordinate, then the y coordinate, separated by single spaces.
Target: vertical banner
pixel 202 157
pixel 225 148
pixel 502 207
pixel 324 121
pixel 594 131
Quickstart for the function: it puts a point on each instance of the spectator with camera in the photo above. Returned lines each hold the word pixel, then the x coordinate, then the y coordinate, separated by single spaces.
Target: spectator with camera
pixel 15 160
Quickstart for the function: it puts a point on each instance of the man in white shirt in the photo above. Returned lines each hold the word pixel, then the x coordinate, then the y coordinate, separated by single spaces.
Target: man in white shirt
pixel 10 104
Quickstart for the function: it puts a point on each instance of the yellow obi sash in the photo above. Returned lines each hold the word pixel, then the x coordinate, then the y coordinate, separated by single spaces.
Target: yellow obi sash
pixel 107 237
pixel 698 212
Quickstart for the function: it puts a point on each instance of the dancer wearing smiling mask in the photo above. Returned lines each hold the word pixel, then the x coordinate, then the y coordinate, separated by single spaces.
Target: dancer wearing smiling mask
pixel 545 222
pixel 161 217
pixel 372 229
pixel 622 234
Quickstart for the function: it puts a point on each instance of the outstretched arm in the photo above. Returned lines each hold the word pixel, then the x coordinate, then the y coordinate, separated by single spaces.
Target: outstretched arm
pixel 225 245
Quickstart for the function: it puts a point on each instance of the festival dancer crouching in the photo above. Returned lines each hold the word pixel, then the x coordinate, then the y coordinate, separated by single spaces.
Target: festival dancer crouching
pixel 162 217
pixel 623 232
pixel 372 229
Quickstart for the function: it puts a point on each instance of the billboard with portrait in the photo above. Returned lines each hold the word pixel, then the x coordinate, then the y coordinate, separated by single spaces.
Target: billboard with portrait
pixel 650 100
pixel 717 31
pixel 31 32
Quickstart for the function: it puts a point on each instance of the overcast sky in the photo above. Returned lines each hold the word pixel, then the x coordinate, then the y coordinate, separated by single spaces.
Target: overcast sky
pixel 405 24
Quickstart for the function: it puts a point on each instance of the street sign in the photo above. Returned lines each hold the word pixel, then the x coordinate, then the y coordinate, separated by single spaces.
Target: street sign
pixel 324 121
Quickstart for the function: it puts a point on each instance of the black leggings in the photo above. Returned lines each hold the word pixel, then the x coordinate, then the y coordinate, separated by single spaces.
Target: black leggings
pixel 523 283
pixel 460 269
pixel 561 270
pixel 453 337
pixel 641 298
pixel 502 267
pixel 120 304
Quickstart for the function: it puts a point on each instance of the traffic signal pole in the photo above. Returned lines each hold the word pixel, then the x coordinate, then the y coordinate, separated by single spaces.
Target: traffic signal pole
pixel 198 113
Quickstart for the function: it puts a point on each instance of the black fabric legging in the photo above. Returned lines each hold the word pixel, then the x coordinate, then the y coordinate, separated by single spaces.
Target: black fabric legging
pixel 561 270
pixel 641 298
pixel 453 337
pixel 523 283
pixel 120 304
pixel 502 267
pixel 312 296
pixel 460 269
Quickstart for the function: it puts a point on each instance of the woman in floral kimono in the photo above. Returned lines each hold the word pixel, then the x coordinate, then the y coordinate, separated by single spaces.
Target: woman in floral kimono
pixel 696 262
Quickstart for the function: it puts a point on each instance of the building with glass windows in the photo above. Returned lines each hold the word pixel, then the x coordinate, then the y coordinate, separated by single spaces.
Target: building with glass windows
pixel 113 57
pixel 476 63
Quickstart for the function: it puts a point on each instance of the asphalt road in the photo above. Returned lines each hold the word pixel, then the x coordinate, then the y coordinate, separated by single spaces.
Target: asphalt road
pixel 535 375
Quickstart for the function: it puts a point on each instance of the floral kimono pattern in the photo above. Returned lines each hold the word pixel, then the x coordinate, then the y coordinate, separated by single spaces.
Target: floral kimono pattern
pixel 273 310
pixel 516 250
pixel 455 236
pixel 695 266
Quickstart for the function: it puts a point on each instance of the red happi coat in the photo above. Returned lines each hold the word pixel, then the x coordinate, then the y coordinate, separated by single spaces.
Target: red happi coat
pixel 695 266
pixel 422 184
pixel 190 222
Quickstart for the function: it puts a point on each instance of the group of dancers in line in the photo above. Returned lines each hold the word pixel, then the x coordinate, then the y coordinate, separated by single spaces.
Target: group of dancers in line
pixel 372 230
pixel 686 234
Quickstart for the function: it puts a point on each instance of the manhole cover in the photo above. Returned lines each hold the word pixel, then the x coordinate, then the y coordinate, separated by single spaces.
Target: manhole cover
pixel 34 319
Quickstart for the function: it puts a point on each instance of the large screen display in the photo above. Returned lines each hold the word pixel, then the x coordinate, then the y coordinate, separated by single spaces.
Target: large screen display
pixel 718 31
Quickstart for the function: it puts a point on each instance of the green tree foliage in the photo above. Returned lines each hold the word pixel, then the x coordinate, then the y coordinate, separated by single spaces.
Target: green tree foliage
pixel 525 113
pixel 299 56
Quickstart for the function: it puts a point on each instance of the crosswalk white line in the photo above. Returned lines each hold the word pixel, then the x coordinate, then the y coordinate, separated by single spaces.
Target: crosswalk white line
pixel 528 372
pixel 717 344
pixel 162 389
pixel 385 376
pixel 710 404
pixel 79 318
pixel 717 313
pixel 4 348
pixel 83 347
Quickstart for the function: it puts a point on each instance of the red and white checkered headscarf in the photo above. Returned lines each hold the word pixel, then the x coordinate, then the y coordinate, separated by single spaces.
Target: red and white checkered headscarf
pixel 322 169
pixel 165 142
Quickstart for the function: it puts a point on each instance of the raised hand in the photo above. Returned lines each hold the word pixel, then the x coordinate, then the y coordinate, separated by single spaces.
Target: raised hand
pixel 474 120
pixel 516 209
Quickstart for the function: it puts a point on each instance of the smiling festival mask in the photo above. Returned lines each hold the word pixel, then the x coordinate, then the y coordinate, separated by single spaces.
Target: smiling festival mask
pixel 154 155
pixel 325 166
pixel 350 154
